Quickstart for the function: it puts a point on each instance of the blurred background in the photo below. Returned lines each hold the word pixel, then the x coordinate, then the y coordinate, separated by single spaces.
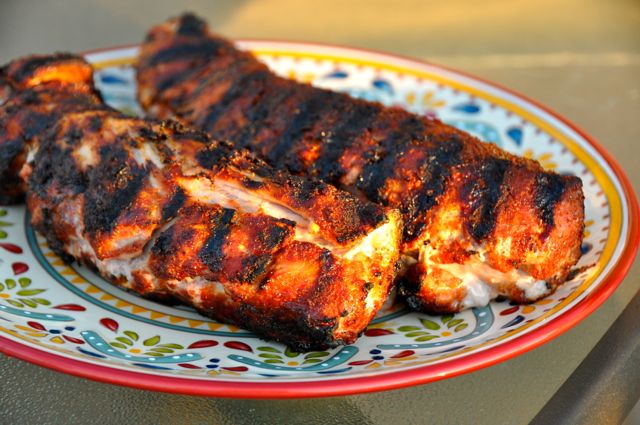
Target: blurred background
pixel 556 31
pixel 579 57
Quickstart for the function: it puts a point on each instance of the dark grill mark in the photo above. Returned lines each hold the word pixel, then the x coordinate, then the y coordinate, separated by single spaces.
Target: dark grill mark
pixel 212 253
pixel 168 80
pixel 237 90
pixel 175 203
pixel 258 114
pixel 548 191
pixel 347 130
pixel 439 164
pixel 211 78
pixel 255 266
pixel 103 205
pixel 313 105
pixel 163 246
pixel 250 93
pixel 480 195
pixel 383 159
pixel 202 49
pixel 211 156
pixel 370 216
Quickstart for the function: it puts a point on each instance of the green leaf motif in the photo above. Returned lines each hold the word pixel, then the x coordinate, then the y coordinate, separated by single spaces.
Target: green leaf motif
pixel 30 292
pixel 174 346
pixel 446 318
pixel 273 361
pixel 429 324
pixel 28 302
pixel 3 234
pixel 118 345
pixel 290 353
pixel 316 354
pixel 268 349
pixel 24 282
pixel 408 328
pixel 309 361
pixel 3 213
pixel 1 287
pixel 151 341
pixel 453 323
pixel 461 327
pixel 269 356
pixel 418 333
pixel 10 283
pixel 41 301
pixel 426 338
pixel 15 303
pixel 132 335
pixel 152 354
pixel 124 340
pixel 162 350
pixel 5 224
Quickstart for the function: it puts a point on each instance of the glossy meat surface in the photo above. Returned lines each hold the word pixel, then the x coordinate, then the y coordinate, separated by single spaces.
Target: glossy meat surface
pixel 167 212
pixel 479 222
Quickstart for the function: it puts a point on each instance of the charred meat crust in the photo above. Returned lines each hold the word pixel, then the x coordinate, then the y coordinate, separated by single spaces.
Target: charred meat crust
pixel 11 186
pixel 175 203
pixel 396 132
pixel 20 71
pixel 194 241
pixel 436 175
pixel 121 183
pixel 198 49
pixel 138 201
pixel 480 195
pixel 549 189
pixel 27 116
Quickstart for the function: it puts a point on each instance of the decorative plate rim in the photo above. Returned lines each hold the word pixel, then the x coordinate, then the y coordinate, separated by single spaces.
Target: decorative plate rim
pixel 388 380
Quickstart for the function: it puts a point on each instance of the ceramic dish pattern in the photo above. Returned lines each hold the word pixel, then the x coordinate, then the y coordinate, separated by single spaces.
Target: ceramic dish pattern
pixel 68 312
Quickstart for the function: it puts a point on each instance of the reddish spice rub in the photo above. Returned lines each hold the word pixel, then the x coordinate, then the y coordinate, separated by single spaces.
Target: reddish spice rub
pixel 475 217
pixel 173 215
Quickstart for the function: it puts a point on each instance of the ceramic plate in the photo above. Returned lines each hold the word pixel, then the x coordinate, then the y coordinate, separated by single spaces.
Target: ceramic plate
pixel 67 318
